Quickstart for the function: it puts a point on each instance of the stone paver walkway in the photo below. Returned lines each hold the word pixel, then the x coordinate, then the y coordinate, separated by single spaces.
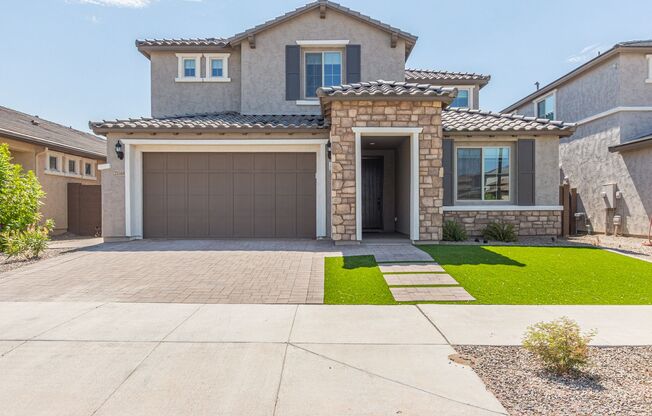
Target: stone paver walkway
pixel 423 294
pixel 410 268
pixel 419 279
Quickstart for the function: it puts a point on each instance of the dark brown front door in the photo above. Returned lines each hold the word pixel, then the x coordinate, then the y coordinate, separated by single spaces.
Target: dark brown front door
pixel 372 193
pixel 229 195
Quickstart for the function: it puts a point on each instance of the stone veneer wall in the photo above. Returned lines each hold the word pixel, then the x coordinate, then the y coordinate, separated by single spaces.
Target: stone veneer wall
pixel 369 113
pixel 527 223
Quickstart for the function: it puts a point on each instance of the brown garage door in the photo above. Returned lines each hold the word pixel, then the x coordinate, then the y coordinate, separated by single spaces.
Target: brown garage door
pixel 228 195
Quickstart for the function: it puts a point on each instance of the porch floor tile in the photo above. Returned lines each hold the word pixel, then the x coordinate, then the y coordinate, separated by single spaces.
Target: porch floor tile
pixel 417 294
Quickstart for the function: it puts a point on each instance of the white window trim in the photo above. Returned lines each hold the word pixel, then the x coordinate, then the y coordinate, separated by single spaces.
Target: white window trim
pixel 477 202
pixel 468 88
pixel 209 57
pixel 307 99
pixel 323 43
pixel 308 102
pixel 552 93
pixel 76 163
pixel 649 69
pixel 62 162
pixel 93 164
pixel 180 70
pixel 59 157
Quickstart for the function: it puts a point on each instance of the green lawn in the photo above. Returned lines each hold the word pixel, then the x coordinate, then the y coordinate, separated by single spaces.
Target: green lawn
pixel 508 275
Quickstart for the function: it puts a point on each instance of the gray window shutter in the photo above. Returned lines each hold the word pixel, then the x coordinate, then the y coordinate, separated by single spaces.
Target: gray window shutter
pixel 353 64
pixel 525 171
pixel 292 72
pixel 449 171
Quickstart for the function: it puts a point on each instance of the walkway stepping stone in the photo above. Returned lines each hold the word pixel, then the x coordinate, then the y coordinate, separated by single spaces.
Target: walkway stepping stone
pixel 410 268
pixel 420 279
pixel 422 294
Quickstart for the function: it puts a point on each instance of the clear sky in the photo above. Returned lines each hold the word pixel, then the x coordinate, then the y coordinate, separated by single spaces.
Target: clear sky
pixel 74 60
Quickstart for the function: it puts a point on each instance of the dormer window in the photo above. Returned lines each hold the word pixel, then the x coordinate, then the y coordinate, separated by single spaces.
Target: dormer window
pixel 188 67
pixel 217 67
pixel 545 107
pixel 321 69
pixel 464 98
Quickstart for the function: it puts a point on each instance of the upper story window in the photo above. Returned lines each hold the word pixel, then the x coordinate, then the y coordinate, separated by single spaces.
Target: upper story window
pixel 649 69
pixel 61 164
pixel 483 173
pixel 88 169
pixel 546 107
pixel 188 67
pixel 464 98
pixel 72 166
pixel 321 69
pixel 217 67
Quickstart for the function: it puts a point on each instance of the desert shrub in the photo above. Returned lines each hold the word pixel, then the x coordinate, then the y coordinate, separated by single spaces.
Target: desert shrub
pixel 20 195
pixel 559 345
pixel 454 231
pixel 500 231
pixel 29 243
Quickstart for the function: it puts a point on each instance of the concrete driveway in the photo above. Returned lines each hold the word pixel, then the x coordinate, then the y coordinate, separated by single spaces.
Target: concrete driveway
pixel 189 271
pixel 185 359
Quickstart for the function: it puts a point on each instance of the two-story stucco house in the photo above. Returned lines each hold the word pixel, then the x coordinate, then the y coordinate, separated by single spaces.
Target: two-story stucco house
pixel 310 126
pixel 609 157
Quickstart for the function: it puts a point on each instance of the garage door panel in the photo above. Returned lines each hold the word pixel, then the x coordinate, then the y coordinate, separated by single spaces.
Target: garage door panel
pixel 243 162
pixel 177 162
pixel 224 195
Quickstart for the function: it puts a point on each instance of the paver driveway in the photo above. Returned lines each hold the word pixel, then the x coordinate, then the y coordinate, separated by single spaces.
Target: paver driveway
pixel 188 271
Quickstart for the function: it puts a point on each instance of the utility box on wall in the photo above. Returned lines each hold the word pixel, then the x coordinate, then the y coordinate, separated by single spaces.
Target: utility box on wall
pixel 609 195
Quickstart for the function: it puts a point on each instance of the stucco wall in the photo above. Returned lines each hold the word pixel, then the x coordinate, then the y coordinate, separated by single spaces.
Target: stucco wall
pixel 634 91
pixel 586 161
pixel 546 179
pixel 55 203
pixel 173 98
pixel 263 85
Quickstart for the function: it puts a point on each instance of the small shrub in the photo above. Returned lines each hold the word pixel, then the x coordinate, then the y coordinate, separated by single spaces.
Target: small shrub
pixel 454 231
pixel 30 243
pixel 559 345
pixel 500 231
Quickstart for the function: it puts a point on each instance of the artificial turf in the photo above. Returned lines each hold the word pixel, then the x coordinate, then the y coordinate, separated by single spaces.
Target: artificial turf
pixel 508 275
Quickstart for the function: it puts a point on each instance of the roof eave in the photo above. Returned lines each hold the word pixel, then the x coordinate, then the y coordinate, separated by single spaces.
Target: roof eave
pixel 146 50
pixel 208 130
pixel 632 145
pixel 52 145
pixel 470 133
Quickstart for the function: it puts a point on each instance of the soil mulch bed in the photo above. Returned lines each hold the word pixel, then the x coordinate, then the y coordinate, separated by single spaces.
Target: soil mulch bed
pixel 619 381
pixel 8 264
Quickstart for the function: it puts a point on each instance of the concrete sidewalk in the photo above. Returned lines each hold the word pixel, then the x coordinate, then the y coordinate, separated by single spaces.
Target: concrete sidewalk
pixel 190 359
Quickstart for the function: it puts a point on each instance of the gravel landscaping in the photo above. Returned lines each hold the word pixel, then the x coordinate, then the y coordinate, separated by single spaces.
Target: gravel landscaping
pixel 7 264
pixel 619 381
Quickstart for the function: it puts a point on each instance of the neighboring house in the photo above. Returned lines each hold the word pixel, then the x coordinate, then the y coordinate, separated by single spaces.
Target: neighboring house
pixel 609 157
pixel 310 126
pixel 58 155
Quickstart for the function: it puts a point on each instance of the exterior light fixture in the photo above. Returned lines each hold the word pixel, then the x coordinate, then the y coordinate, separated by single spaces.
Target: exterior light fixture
pixel 119 150
pixel 328 148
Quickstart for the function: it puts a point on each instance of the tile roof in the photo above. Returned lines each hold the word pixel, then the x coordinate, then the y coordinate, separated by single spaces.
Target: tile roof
pixel 434 75
pixel 221 42
pixel 637 43
pixel 225 120
pixel 33 129
pixel 456 120
pixel 382 88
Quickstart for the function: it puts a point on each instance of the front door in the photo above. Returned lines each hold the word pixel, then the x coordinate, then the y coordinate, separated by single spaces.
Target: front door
pixel 372 193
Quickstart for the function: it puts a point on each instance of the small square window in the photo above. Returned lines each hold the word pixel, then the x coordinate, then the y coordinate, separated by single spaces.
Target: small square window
pixel 546 107
pixel 217 68
pixel 72 166
pixel 189 68
pixel 462 99
pixel 53 163
pixel 88 169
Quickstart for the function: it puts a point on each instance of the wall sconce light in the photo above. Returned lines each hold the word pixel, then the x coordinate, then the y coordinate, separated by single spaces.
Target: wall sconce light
pixel 119 150
pixel 328 147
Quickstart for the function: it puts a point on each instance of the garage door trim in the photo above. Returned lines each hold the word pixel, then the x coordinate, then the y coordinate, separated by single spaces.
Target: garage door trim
pixel 133 161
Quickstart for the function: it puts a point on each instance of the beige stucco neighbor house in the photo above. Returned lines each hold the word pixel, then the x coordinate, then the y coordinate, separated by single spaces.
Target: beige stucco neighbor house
pixel 609 157
pixel 310 126
pixel 57 154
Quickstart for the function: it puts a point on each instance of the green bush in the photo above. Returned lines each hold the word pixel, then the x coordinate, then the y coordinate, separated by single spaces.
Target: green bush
pixel 454 231
pixel 500 231
pixel 559 345
pixel 20 195
pixel 29 243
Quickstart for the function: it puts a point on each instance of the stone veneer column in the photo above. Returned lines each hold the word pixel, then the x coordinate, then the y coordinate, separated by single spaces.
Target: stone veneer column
pixel 347 114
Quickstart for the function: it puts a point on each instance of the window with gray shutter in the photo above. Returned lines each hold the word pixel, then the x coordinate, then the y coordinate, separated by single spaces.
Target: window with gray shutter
pixel 292 72
pixel 526 170
pixel 449 177
pixel 353 73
